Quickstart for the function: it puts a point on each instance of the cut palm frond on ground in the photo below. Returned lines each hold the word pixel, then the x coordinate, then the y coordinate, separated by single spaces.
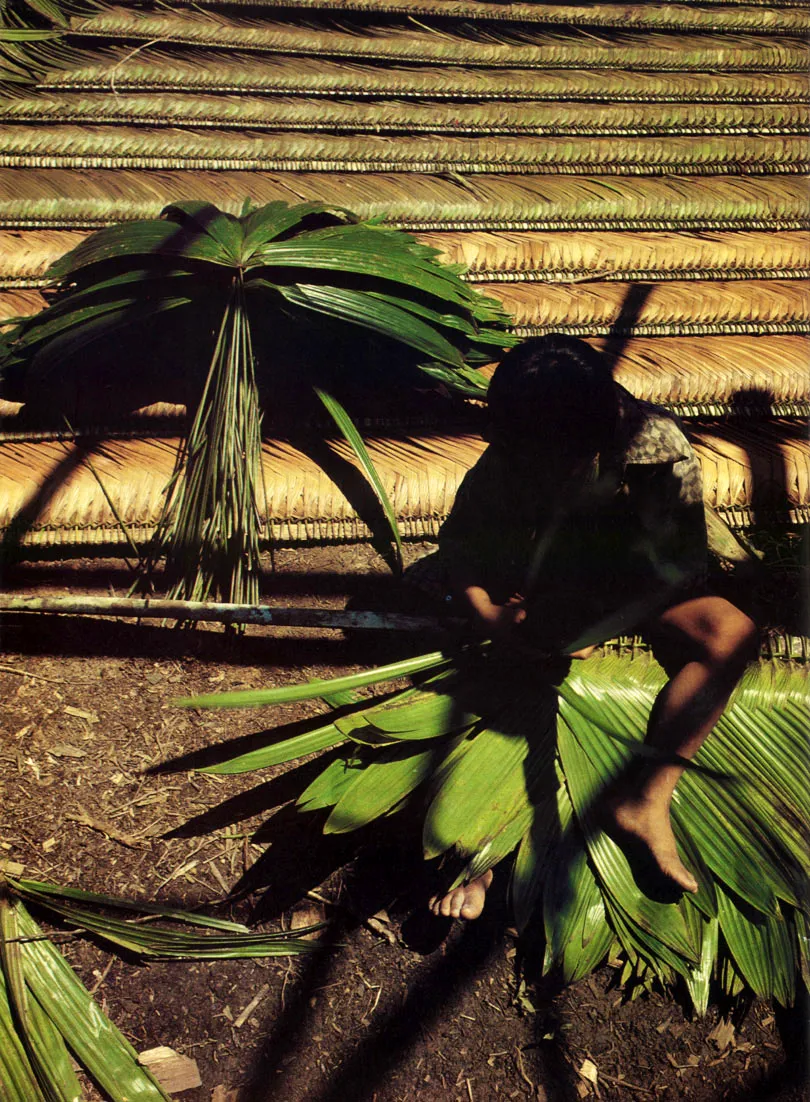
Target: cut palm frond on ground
pixel 50 198
pixel 388 314
pixel 499 756
pixel 48 1018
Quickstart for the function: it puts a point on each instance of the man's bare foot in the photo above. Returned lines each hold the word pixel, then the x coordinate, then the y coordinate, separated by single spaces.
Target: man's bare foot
pixel 465 901
pixel 642 824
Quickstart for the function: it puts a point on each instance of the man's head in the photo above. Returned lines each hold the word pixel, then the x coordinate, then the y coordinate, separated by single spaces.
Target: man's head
pixel 553 396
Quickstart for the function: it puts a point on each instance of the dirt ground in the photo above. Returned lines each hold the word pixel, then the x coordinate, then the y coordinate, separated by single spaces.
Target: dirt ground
pixel 396 1006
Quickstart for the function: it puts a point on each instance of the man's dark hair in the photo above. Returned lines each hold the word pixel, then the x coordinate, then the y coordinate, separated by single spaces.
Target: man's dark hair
pixel 555 389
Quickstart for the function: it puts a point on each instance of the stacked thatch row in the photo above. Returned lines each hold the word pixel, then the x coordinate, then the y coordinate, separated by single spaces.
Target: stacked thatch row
pixel 627 173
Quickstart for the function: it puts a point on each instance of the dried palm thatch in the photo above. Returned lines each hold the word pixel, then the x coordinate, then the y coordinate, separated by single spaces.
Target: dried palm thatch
pixel 24 259
pixel 678 16
pixel 67 199
pixel 122 147
pixel 19 303
pixel 527 257
pixel 565 257
pixel 412 44
pixel 203 111
pixel 669 309
pixel 761 471
pixel 153 69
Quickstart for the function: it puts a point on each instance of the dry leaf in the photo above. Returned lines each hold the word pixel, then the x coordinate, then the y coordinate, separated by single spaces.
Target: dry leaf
pixel 174 1072
pixel 722 1034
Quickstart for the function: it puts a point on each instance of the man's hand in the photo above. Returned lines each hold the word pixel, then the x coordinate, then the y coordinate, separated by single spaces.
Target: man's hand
pixel 495 621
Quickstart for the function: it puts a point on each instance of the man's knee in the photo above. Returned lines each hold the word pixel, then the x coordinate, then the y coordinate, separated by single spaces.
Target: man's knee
pixel 709 630
pixel 729 637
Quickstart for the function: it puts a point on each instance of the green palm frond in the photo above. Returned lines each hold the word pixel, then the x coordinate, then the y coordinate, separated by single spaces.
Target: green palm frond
pixel 313 115
pixel 259 277
pixel 47 1016
pixel 497 770
pixel 156 69
pixel 409 44
pixel 419 203
pixel 127 148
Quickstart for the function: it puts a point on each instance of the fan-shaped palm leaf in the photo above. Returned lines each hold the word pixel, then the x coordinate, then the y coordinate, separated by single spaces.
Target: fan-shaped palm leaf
pixel 515 777
pixel 258 273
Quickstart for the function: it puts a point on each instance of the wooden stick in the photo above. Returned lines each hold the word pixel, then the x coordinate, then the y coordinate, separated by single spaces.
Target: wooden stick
pixel 150 608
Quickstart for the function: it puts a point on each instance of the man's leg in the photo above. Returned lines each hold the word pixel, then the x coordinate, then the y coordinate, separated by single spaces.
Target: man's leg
pixel 704 645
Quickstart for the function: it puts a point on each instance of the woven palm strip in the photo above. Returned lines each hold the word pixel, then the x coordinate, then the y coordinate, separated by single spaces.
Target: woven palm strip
pixel 420 475
pixel 560 257
pixel 313 115
pixel 527 257
pixel 668 309
pixel 121 147
pixel 694 376
pixel 151 68
pixel 411 44
pixel 25 257
pixel 699 374
pixel 672 16
pixel 72 200
pixel 17 303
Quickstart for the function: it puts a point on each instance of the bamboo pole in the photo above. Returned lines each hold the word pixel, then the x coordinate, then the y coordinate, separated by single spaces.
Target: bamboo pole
pixel 150 608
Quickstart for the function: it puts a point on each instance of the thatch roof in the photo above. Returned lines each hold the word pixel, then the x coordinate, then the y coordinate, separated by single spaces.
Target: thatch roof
pixel 67 494
pixel 628 172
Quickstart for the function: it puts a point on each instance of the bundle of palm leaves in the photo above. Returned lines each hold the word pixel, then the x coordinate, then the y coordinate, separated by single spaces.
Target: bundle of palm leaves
pixel 504 759
pixel 142 308
pixel 47 1015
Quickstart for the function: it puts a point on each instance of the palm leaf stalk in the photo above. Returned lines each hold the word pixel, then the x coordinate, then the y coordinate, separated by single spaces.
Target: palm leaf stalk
pixel 387 314
pixel 499 761
pixel 46 1014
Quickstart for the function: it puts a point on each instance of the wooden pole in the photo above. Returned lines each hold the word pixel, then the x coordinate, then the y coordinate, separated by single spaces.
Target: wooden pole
pixel 152 608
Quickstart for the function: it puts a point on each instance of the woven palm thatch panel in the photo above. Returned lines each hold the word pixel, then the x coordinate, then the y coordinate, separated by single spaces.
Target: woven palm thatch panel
pixel 526 257
pixel 56 486
pixel 667 309
pixel 410 44
pixel 562 257
pixel 203 111
pixel 693 373
pixel 153 69
pixel 89 199
pixel 222 151
pixel 25 257
pixel 761 20
pixel 19 303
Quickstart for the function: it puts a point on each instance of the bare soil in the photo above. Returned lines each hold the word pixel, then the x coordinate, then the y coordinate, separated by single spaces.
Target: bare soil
pixel 98 792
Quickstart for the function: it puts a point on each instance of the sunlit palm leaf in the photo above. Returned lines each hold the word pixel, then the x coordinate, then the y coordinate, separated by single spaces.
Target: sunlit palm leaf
pixel 739 814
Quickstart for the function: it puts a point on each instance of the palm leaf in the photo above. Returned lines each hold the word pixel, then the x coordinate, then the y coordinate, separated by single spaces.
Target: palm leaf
pixel 739 806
